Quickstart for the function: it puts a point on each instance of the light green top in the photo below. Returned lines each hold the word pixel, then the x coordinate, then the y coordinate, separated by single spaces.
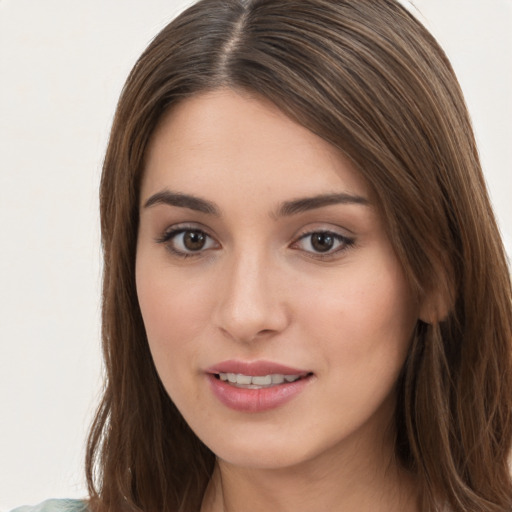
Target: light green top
pixel 55 506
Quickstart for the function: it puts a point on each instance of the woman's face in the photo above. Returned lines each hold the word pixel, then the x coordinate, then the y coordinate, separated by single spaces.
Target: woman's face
pixel 276 311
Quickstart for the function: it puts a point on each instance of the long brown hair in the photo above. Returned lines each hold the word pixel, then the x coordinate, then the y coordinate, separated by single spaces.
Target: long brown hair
pixel 368 78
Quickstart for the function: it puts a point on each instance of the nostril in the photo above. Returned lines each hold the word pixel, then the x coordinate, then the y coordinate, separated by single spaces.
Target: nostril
pixel 264 332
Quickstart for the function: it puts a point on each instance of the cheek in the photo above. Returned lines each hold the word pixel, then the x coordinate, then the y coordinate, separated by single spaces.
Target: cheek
pixel 364 318
pixel 175 313
pixel 363 333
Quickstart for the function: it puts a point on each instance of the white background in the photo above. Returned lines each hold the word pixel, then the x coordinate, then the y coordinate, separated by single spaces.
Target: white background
pixel 62 66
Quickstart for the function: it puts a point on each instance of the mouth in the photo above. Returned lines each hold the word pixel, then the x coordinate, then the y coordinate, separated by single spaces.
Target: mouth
pixel 257 386
pixel 239 380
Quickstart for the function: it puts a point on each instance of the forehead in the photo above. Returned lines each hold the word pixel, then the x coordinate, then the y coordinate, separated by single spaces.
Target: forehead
pixel 228 139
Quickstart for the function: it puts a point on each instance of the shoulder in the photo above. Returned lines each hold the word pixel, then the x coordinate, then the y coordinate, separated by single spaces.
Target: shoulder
pixel 55 506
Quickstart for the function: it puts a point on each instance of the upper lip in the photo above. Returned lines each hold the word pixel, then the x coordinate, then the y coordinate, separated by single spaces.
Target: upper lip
pixel 255 368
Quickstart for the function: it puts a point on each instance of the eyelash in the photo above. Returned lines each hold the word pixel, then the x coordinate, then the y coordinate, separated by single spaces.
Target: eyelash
pixel 171 234
pixel 344 242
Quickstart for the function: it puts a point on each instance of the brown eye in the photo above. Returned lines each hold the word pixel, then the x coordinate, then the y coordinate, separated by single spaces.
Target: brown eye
pixel 322 242
pixel 187 242
pixel 194 240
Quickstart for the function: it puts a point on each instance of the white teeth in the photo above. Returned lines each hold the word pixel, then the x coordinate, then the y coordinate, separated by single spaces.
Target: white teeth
pixel 260 381
pixel 277 379
pixel 245 379
pixel 256 382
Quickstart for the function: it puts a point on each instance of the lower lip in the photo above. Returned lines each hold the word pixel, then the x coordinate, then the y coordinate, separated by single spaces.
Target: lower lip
pixel 256 400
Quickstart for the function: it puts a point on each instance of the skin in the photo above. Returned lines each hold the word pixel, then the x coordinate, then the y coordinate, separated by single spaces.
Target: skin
pixel 259 290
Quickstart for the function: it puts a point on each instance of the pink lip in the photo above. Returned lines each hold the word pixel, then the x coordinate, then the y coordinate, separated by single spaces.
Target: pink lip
pixel 254 368
pixel 256 400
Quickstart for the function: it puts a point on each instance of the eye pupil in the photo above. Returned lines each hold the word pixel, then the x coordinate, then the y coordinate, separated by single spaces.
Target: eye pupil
pixel 194 240
pixel 322 242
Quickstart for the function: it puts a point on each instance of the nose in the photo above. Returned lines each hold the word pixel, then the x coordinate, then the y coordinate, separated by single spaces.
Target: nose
pixel 251 303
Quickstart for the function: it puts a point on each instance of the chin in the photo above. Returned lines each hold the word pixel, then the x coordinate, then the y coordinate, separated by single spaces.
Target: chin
pixel 258 457
pixel 271 451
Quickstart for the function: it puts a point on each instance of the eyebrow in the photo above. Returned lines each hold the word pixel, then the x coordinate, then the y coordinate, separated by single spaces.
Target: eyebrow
pixel 286 209
pixel 183 201
pixel 310 203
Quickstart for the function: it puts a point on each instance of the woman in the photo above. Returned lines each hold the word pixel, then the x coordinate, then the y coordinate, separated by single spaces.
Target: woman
pixel 306 302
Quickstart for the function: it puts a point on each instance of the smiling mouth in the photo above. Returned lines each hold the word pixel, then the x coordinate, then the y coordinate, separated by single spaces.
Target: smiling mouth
pixel 240 380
